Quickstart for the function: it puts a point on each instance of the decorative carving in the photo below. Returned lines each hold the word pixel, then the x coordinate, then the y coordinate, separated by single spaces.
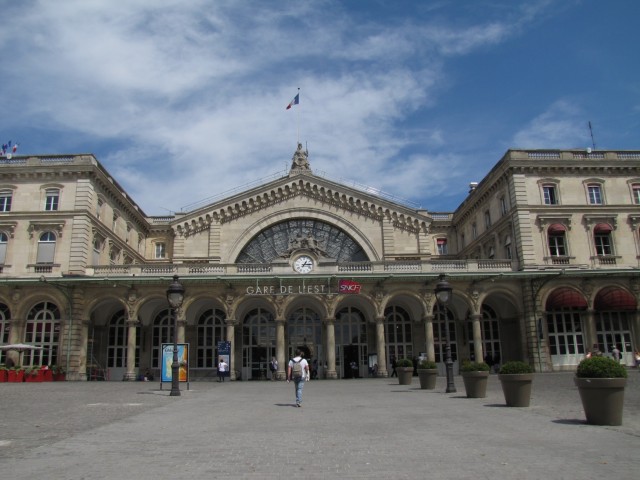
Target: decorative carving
pixel 308 243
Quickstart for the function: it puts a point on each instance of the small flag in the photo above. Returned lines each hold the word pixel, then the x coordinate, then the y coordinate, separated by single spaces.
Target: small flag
pixel 349 286
pixel 295 101
pixel 15 147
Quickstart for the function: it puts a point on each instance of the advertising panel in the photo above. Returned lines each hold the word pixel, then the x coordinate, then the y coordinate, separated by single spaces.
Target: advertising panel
pixel 167 362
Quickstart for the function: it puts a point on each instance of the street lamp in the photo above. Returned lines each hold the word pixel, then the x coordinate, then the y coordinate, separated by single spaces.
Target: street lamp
pixel 175 296
pixel 443 294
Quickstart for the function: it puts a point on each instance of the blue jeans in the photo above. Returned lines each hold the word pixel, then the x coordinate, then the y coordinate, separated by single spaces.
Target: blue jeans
pixel 299 384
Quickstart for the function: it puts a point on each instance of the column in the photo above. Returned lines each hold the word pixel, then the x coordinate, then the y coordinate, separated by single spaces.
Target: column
pixel 132 323
pixel 281 374
pixel 590 336
pixel 15 336
pixel 635 330
pixel 382 348
pixel 331 347
pixel 231 333
pixel 181 322
pixel 82 349
pixel 478 348
pixel 428 335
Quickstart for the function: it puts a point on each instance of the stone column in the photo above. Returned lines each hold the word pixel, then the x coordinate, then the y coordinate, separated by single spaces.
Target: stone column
pixel 331 348
pixel 132 323
pixel 181 321
pixel 590 335
pixel 428 335
pixel 15 336
pixel 231 333
pixel 82 349
pixel 478 348
pixel 382 348
pixel 281 374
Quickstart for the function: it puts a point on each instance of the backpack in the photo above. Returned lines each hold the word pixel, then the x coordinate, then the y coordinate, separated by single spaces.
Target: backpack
pixel 296 370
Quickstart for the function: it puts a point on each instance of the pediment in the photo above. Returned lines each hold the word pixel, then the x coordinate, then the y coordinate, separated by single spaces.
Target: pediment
pixel 326 193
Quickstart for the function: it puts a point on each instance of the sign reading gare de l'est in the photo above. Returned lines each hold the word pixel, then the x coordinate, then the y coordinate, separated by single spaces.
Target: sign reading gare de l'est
pixel 344 286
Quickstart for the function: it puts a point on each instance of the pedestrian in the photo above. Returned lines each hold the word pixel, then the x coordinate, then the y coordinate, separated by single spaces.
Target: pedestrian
pixel 222 369
pixel 595 351
pixel 615 353
pixel 273 366
pixel 298 372
pixel 354 369
pixel 394 364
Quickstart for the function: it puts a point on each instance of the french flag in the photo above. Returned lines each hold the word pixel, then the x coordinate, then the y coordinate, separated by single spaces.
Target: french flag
pixel 295 101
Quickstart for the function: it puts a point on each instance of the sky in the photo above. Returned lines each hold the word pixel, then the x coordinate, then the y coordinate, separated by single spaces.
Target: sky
pixel 184 101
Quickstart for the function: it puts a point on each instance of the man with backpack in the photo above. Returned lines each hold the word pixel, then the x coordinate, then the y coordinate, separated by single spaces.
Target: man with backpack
pixel 298 371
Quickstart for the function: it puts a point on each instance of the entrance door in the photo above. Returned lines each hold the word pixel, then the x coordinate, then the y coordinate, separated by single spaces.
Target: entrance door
pixel 351 343
pixel 258 344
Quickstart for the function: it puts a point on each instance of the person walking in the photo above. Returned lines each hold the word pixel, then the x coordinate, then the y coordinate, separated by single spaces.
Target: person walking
pixel 394 364
pixel 273 366
pixel 615 353
pixel 222 369
pixel 298 372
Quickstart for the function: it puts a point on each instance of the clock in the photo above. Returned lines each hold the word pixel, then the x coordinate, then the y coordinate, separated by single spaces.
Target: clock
pixel 303 264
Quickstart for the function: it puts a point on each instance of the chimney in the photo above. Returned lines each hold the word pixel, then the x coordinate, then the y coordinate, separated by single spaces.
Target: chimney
pixel 473 186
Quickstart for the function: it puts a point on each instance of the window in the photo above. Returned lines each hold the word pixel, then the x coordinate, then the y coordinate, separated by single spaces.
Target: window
pixel 46 248
pixel 442 246
pixel 5 200
pixel 503 206
pixel 557 243
pixel 602 239
pixel 97 247
pixel 487 219
pixel 99 208
pixel 3 247
pixel 114 225
pixel 549 194
pixel 474 231
pixel 635 190
pixel 52 197
pixel 507 247
pixel 462 240
pixel 160 250
pixel 492 253
pixel 114 254
pixel 595 194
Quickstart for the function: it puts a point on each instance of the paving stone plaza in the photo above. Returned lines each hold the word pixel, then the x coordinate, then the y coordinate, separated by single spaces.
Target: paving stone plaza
pixel 364 428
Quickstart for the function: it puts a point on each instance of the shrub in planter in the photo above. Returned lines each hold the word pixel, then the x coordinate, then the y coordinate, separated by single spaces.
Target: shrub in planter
pixel 516 378
pixel 601 382
pixel 15 374
pixel 3 373
pixel 59 373
pixel 427 373
pixel 33 375
pixel 404 367
pixel 475 376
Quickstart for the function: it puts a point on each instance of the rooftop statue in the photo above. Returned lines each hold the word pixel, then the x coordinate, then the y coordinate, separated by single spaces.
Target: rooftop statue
pixel 300 159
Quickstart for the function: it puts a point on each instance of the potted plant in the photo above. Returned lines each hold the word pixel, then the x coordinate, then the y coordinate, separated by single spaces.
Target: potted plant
pixel 15 374
pixel 404 367
pixel 601 382
pixel 59 374
pixel 3 373
pixel 427 372
pixel 47 373
pixel 33 374
pixel 475 376
pixel 516 378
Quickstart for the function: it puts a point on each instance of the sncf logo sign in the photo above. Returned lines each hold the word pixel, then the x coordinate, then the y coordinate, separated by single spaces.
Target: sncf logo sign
pixel 348 286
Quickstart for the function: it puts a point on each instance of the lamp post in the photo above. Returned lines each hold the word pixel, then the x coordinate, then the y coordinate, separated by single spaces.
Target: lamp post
pixel 175 296
pixel 443 294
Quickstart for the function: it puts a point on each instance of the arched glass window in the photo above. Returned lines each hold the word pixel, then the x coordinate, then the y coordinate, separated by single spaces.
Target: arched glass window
pixel 42 330
pixel 397 323
pixel 351 341
pixel 46 248
pixel 442 246
pixel 211 330
pixel 5 327
pixel 118 341
pixel 276 240
pixel 162 333
pixel 439 333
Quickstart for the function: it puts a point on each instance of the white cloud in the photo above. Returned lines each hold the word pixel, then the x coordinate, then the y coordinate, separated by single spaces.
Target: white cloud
pixel 562 125
pixel 189 97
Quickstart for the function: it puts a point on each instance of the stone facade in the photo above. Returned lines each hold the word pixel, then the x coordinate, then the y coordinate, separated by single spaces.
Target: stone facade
pixel 542 256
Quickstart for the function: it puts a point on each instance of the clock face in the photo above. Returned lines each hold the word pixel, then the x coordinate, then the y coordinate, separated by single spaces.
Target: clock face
pixel 303 264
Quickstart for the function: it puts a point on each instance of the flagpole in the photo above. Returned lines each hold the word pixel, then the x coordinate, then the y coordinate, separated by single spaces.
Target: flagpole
pixel 298 119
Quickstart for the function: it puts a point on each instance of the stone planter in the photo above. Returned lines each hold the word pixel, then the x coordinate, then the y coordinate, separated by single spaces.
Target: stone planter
pixel 405 375
pixel 428 378
pixel 517 389
pixel 475 384
pixel 602 399
pixel 15 376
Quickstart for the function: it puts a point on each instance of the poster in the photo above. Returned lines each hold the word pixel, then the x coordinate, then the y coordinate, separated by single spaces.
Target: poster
pixel 167 362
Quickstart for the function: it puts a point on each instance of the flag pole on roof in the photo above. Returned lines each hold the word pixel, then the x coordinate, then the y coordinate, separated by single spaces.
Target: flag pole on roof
pixel 296 101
